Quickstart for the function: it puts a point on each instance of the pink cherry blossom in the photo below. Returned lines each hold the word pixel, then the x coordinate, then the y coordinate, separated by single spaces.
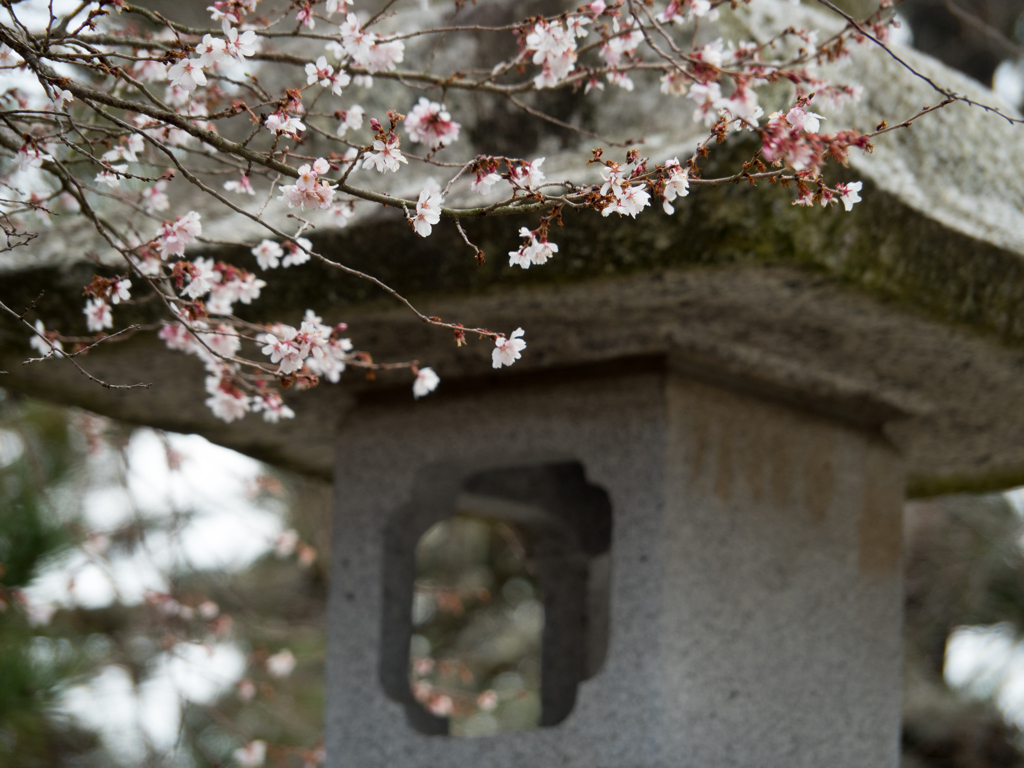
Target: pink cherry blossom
pixel 173 238
pixel 285 351
pixel 554 48
pixel 62 98
pixel 30 158
pixel 741 108
pixel 147 70
pixel 707 96
pixel 305 17
pixel 365 50
pixel 224 341
pixel 272 407
pixel 241 186
pixel 285 543
pixel 333 6
pixel 177 337
pixel 112 177
pixel 629 200
pixel 430 123
pixel 808 121
pixel 341 212
pixel 226 401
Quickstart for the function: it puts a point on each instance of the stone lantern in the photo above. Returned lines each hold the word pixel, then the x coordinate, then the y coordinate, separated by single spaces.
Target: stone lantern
pixel 713 428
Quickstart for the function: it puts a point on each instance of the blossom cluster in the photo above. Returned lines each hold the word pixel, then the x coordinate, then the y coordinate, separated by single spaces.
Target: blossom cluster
pixel 142 159
pixel 309 190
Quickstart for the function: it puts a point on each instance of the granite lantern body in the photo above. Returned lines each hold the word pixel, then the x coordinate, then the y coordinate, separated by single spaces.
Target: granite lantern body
pixel 752 578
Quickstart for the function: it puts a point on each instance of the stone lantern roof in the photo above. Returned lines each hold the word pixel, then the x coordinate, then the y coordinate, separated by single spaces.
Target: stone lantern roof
pixel 903 315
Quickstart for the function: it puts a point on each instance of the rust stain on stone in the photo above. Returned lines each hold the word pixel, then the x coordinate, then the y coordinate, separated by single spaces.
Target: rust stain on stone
pixel 700 426
pixel 880 529
pixel 780 462
pixel 724 470
pixel 819 464
pixel 753 454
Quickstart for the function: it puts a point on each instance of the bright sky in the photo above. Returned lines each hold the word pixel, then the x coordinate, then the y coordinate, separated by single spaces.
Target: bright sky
pixel 989 661
pixel 224 530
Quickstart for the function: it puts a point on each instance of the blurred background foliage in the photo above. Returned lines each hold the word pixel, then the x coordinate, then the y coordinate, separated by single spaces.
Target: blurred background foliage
pixel 48 465
pixel 478 619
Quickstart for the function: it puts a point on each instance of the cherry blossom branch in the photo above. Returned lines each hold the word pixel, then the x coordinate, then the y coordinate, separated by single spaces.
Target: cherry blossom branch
pixel 945 92
pixel 70 358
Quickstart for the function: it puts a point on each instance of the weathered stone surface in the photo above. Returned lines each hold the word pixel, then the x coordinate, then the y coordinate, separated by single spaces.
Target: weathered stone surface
pixel 754 582
pixel 908 306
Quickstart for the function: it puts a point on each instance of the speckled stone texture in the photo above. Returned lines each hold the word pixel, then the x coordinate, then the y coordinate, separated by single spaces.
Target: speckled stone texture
pixel 755 576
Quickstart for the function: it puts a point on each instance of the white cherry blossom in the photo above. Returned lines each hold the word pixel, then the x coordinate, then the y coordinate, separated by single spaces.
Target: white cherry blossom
pixel 240 46
pixel 187 74
pixel 386 155
pixel 426 381
pixel 298 252
pixel 528 175
pixel 120 291
pixel 252 755
pixel 202 280
pixel 533 251
pixel 279 123
pixel 97 315
pixel 62 99
pixel 281 664
pixel 351 119
pixel 507 350
pixel 319 72
pixel 850 193
pixel 211 51
pixel 428 212
pixel 268 254
pixel 44 346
